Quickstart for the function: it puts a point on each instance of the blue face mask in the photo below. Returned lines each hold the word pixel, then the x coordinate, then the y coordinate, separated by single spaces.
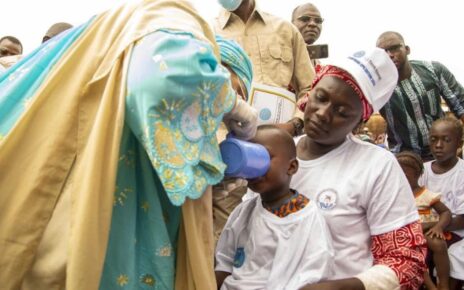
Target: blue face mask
pixel 230 5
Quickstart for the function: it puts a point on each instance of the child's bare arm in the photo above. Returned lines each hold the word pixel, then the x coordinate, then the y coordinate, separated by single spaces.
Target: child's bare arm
pixel 443 222
pixel 457 223
pixel 220 277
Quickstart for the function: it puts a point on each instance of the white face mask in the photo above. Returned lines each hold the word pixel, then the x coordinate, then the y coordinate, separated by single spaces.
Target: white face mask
pixel 230 5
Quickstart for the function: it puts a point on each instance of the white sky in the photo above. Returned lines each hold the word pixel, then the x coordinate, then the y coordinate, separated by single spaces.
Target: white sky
pixel 430 28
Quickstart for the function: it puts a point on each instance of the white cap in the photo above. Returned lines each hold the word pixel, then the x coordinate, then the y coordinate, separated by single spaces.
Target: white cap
pixel 375 73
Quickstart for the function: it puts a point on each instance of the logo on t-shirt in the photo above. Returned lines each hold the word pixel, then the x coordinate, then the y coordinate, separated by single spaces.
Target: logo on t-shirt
pixel 327 199
pixel 239 258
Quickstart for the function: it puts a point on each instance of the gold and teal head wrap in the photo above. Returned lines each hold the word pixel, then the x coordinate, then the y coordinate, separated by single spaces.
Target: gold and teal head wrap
pixel 236 58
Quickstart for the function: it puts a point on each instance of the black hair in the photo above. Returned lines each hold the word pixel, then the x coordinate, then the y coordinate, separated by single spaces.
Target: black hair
pixel 284 137
pixel 457 125
pixel 391 32
pixel 411 159
pixel 299 6
pixel 14 40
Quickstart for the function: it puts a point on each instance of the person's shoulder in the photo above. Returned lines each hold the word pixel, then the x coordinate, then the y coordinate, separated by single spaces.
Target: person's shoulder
pixel 437 65
pixel 277 21
pixel 428 164
pixel 431 66
pixel 270 17
pixel 218 23
pixel 420 62
pixel 368 149
pixel 239 216
pixel 460 165
pixel 247 205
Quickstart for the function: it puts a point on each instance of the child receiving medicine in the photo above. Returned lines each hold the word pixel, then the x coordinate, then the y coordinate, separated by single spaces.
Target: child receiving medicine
pixel 278 239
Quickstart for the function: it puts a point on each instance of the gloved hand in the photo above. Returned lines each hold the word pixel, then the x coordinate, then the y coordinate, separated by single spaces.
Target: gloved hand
pixel 242 120
pixel 228 185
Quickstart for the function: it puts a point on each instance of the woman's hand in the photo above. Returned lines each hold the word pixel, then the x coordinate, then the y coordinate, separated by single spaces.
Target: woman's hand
pixel 242 120
pixel 228 185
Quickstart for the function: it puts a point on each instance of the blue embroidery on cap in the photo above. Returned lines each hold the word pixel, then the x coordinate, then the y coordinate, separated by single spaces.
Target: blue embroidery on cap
pixel 239 258
pixel 360 53
pixel 364 68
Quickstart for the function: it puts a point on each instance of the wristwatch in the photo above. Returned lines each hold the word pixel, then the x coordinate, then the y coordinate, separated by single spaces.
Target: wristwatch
pixel 298 125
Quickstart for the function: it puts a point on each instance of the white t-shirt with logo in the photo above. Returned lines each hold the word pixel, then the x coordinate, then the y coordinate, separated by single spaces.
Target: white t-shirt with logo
pixel 450 184
pixel 361 191
pixel 264 251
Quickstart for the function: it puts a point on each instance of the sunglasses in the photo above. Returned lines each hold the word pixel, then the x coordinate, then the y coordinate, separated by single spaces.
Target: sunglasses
pixel 307 19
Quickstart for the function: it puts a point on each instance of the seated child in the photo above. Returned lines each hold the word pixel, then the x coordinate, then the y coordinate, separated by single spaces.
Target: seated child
pixel 433 221
pixel 445 174
pixel 278 239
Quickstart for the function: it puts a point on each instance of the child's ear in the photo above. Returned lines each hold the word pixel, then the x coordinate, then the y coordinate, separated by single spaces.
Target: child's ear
pixel 292 167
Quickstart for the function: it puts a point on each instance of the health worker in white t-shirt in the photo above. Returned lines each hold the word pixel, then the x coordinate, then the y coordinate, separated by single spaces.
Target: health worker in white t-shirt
pixel 360 188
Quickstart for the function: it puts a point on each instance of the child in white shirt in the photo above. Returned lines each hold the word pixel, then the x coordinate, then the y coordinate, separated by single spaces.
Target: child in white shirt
pixel 445 174
pixel 434 216
pixel 277 240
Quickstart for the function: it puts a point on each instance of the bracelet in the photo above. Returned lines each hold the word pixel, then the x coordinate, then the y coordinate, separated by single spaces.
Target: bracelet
pixel 298 125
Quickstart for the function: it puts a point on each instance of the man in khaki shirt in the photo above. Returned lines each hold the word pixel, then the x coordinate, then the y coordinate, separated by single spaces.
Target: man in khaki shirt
pixel 280 59
pixel 276 47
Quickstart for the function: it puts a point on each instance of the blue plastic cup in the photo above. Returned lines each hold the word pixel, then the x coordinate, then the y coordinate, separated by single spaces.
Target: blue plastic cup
pixel 244 159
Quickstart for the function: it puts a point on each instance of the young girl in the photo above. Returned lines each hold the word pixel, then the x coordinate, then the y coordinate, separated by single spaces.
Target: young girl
pixel 433 223
pixel 445 175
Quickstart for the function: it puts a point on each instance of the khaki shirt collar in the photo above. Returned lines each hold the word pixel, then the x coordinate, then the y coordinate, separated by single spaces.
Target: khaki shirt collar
pixel 225 16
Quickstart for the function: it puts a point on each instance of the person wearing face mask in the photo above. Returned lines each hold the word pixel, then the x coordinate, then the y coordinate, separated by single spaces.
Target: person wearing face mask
pixel 11 51
pixel 275 47
pixel 10 45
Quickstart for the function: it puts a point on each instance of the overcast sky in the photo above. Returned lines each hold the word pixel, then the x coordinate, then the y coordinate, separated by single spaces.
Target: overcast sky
pixel 430 28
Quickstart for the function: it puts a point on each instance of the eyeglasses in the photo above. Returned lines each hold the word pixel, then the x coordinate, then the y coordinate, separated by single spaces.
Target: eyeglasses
pixel 393 48
pixel 307 19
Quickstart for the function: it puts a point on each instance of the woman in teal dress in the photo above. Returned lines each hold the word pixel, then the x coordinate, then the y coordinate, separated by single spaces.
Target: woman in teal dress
pixel 146 214
pixel 130 103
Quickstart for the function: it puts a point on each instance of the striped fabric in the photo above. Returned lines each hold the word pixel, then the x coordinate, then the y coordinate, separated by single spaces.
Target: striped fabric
pixel 293 204
pixel 415 104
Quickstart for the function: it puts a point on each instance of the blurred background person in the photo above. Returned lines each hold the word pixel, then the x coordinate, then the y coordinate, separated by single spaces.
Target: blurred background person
pixel 56 29
pixel 10 45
